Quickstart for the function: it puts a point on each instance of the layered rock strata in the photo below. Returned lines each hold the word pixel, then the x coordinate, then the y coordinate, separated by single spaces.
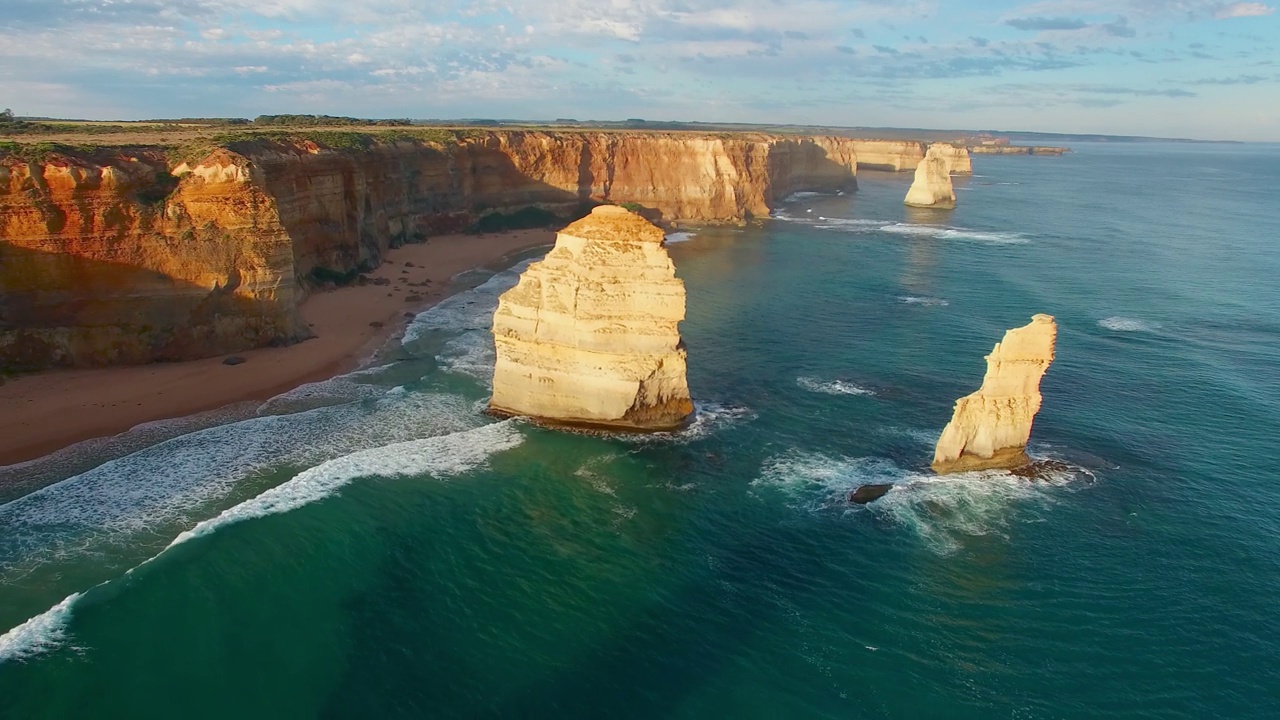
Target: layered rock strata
pixel 130 255
pixel 589 335
pixel 958 160
pixel 1017 150
pixel 990 427
pixel 894 155
pixel 932 185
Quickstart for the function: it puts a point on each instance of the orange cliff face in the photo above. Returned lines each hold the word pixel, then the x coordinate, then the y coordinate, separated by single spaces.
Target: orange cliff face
pixel 128 256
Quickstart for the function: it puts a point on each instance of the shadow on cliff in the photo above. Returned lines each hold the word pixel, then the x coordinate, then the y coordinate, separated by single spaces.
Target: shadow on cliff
pixel 342 210
pixel 63 310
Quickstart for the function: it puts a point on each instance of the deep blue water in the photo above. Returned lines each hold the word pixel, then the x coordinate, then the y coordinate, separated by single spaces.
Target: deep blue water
pixel 388 551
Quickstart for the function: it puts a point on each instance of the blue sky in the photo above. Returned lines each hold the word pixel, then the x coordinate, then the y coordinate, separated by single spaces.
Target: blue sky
pixel 1154 67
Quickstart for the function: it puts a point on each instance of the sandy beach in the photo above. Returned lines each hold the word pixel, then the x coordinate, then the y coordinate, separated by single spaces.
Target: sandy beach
pixel 48 411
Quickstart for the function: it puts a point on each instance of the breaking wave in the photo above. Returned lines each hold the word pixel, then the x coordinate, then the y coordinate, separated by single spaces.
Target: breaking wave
pixel 679 237
pixel 923 301
pixel 1126 324
pixel 471 310
pixel 41 633
pixel 940 232
pixel 942 511
pixel 936 232
pixel 832 387
pixel 439 457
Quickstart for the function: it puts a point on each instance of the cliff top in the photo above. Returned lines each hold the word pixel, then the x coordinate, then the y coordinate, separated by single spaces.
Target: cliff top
pixel 612 223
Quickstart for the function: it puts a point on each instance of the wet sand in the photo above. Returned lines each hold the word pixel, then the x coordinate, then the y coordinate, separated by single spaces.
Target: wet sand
pixel 45 412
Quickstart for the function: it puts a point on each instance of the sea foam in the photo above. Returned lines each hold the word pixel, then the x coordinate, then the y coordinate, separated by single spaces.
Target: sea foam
pixel 922 301
pixel 935 232
pixel 437 457
pixel 832 387
pixel 1126 324
pixel 176 481
pixel 941 510
pixel 679 237
pixel 40 634
pixel 471 310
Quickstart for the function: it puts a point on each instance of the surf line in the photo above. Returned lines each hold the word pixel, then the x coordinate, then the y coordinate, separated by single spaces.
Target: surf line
pixel 441 456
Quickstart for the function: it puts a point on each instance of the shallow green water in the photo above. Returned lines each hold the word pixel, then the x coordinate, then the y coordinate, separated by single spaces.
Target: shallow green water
pixel 373 546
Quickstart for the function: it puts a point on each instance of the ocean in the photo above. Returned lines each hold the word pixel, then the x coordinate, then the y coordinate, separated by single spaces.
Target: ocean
pixel 375 546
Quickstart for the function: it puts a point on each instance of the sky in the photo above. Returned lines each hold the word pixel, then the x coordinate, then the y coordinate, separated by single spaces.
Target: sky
pixel 1170 68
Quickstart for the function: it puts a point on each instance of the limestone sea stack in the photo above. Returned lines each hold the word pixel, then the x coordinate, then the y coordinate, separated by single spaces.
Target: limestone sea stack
pixel 932 186
pixel 990 427
pixel 958 159
pixel 589 335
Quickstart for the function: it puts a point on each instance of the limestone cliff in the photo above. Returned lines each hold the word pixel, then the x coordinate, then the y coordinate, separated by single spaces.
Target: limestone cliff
pixel 990 427
pixel 895 155
pixel 1017 150
pixel 932 186
pixel 133 254
pixel 589 334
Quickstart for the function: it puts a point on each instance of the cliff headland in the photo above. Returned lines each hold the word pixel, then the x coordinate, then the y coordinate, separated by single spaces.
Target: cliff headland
pixel 130 254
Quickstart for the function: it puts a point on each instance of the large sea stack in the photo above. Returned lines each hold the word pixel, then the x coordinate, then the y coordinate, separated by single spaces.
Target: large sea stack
pixel 990 427
pixel 932 186
pixel 589 336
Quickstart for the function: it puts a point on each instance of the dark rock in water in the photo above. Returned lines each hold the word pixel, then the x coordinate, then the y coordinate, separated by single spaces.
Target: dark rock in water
pixel 1041 469
pixel 409 316
pixel 234 360
pixel 376 324
pixel 868 493
pixel 408 264
pixel 413 298
pixel 363 280
pixel 382 281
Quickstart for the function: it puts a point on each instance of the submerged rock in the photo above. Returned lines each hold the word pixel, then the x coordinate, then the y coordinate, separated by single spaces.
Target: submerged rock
pixel 1041 469
pixel 990 427
pixel 589 335
pixel 869 493
pixel 234 360
pixel 932 186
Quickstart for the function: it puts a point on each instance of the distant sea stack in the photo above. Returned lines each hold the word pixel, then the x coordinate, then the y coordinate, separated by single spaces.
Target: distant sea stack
pixel 958 160
pixel 990 427
pixel 932 186
pixel 589 335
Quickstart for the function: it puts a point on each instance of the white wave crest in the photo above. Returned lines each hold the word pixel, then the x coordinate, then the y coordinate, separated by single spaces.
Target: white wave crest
pixel 40 634
pixel 941 510
pixel 438 457
pixel 169 484
pixel 801 195
pixel 469 310
pixel 923 301
pixel 679 237
pixel 1126 324
pixel 939 232
pixel 832 387
pixel 936 232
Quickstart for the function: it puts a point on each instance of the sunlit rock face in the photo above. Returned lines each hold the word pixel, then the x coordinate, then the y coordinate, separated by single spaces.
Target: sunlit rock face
pixel 958 160
pixel 932 186
pixel 589 336
pixel 131 255
pixel 990 427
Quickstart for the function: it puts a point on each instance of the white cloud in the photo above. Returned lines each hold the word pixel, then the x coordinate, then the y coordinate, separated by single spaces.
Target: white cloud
pixel 1243 9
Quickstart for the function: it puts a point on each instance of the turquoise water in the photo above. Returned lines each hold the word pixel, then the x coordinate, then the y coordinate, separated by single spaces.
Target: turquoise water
pixel 373 546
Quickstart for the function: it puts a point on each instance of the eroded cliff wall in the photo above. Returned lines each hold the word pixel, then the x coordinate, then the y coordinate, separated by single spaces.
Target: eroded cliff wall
pixel 131 254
